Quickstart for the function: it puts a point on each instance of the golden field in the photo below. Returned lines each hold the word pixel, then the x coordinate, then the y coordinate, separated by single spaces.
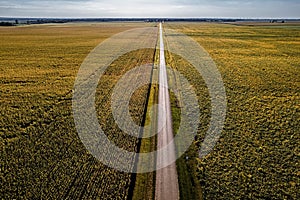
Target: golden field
pixel 41 153
pixel 257 156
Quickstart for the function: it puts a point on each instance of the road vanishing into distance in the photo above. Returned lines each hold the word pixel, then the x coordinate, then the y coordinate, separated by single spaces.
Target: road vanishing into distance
pixel 166 178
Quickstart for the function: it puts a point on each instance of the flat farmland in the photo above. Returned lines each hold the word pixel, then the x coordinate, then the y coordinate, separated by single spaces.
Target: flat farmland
pixel 42 156
pixel 257 156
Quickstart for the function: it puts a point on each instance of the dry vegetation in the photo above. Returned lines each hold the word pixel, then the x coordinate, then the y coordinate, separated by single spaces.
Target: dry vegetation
pixel 258 154
pixel 41 154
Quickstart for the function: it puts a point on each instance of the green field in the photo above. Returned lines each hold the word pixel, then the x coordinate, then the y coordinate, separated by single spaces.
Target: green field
pixel 257 156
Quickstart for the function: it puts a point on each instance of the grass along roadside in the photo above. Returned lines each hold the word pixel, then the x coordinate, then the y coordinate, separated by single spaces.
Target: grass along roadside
pixel 145 183
pixel 189 184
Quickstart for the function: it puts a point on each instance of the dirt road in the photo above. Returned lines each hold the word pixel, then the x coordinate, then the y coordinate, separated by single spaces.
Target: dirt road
pixel 166 179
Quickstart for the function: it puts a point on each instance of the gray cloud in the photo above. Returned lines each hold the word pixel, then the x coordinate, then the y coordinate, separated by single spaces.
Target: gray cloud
pixel 154 8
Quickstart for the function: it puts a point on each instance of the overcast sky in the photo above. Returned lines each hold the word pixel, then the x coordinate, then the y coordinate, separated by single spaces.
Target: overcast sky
pixel 151 8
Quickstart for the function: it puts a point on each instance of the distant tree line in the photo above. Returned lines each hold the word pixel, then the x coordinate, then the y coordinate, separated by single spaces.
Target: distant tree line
pixel 16 21
pixel 277 21
pixel 45 21
pixel 7 24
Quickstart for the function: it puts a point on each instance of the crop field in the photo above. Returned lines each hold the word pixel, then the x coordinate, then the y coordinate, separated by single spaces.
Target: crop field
pixel 257 156
pixel 41 154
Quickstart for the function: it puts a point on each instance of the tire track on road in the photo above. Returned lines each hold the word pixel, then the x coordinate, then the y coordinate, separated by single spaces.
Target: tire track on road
pixel 166 187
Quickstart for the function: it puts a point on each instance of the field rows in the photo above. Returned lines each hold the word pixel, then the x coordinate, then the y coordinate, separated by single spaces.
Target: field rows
pixel 257 155
pixel 42 155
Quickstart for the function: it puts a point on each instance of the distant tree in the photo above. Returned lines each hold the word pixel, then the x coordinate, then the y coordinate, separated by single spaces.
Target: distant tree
pixel 6 24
